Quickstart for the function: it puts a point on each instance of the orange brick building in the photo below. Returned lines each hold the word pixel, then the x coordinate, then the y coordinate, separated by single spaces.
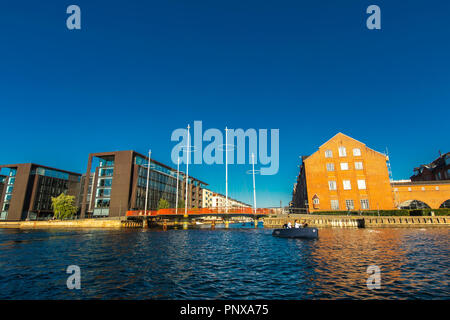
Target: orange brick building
pixel 421 194
pixel 344 174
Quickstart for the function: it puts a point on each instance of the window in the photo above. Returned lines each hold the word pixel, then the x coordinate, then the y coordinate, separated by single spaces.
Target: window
pixel 358 165
pixel 364 204
pixel 105 182
pixel 328 154
pixel 437 188
pixel 342 152
pixel 344 166
pixel 349 204
pixel 423 188
pixel 334 204
pixel 356 152
pixel 361 184
pixel 316 200
pixel 347 185
pixel 332 185
pixel 330 166
pixel 409 189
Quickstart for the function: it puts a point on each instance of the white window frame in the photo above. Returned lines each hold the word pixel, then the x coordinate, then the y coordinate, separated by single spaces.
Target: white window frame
pixel 347 206
pixel 358 165
pixel 316 200
pixel 332 185
pixel 328 154
pixel 362 184
pixel 334 204
pixel 330 166
pixel 365 201
pixel 342 152
pixel 347 185
pixel 356 152
pixel 344 166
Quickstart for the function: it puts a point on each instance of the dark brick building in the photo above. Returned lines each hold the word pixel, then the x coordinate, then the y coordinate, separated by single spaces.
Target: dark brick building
pixel 439 169
pixel 117 183
pixel 26 190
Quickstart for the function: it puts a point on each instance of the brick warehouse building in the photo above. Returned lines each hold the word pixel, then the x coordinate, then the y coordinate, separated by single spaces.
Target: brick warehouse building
pixel 26 190
pixel 117 183
pixel 344 174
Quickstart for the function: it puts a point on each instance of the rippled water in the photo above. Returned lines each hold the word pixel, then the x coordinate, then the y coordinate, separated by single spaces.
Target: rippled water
pixel 224 264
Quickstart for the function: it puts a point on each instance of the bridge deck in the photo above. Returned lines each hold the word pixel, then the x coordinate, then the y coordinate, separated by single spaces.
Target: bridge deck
pixel 201 212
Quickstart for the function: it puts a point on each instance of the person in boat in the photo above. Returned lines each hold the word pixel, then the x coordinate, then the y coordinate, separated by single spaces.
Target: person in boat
pixel 285 226
pixel 296 224
pixel 289 225
pixel 305 225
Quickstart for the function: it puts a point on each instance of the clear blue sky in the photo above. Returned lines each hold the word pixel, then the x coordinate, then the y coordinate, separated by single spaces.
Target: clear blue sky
pixel 140 69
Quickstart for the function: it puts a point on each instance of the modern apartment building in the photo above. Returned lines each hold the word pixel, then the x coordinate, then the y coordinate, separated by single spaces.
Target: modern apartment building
pixel 207 198
pixel 344 174
pixel 118 182
pixel 220 201
pixel 26 190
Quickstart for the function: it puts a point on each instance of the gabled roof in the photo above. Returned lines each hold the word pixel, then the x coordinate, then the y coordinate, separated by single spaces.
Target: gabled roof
pixel 346 136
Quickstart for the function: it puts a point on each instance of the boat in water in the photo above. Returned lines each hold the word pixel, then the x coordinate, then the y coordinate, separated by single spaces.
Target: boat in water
pixel 306 233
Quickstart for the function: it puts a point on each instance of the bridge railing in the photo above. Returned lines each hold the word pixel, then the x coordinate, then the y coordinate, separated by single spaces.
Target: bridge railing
pixel 198 211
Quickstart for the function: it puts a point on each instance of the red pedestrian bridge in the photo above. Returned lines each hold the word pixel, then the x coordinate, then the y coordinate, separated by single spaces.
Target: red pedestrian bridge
pixel 198 212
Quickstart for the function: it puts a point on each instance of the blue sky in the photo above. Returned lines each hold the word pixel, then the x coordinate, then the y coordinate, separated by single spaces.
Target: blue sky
pixel 137 70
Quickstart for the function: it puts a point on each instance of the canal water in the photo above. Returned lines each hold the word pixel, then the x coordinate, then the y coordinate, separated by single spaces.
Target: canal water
pixel 235 263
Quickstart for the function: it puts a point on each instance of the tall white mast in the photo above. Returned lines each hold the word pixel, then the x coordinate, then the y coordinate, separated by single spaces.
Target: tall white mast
pixel 187 171
pixel 226 170
pixel 254 186
pixel 148 178
pixel 178 171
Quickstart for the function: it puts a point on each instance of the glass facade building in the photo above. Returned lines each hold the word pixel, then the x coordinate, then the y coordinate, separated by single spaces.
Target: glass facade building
pixel 120 184
pixel 27 190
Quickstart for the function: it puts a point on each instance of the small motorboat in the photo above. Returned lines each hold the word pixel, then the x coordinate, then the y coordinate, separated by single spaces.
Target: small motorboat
pixel 307 233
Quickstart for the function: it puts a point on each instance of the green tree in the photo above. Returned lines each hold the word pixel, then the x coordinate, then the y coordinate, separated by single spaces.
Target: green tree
pixel 63 206
pixel 163 204
pixel 181 203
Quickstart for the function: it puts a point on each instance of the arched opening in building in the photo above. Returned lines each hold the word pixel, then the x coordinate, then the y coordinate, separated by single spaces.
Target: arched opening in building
pixel 445 204
pixel 413 204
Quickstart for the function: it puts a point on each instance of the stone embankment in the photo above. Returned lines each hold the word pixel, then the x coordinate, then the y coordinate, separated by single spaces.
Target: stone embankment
pixel 357 221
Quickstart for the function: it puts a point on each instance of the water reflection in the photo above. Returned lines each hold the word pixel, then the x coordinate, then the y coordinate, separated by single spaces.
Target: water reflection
pixel 224 264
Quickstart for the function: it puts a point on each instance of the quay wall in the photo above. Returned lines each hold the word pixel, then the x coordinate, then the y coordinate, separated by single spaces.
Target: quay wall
pixel 80 223
pixel 269 222
pixel 358 221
